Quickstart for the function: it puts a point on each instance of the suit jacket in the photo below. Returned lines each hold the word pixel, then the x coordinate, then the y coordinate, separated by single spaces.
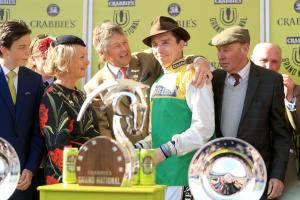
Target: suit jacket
pixel 19 122
pixel 143 68
pixel 262 122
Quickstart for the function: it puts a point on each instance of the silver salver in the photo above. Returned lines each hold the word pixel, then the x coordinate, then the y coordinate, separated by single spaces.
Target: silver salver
pixel 227 169
pixel 9 169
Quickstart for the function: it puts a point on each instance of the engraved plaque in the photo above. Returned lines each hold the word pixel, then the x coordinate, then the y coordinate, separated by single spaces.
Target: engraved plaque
pixel 101 161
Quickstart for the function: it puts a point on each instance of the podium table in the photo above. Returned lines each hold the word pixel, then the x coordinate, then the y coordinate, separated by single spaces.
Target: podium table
pixel 76 192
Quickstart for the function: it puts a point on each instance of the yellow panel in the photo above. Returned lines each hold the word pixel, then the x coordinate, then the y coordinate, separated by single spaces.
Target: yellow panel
pixel 285 31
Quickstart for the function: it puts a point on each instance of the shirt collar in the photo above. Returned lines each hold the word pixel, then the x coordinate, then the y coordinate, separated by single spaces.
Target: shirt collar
pixel 114 69
pixel 6 70
pixel 243 72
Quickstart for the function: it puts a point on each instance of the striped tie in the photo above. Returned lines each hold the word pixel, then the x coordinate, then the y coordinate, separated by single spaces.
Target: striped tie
pixel 236 78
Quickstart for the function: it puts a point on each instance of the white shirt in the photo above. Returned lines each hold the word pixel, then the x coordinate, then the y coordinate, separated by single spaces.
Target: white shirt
pixel 243 74
pixel 114 69
pixel 6 71
pixel 200 101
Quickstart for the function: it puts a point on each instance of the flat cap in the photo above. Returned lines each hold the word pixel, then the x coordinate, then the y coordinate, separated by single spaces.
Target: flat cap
pixel 231 35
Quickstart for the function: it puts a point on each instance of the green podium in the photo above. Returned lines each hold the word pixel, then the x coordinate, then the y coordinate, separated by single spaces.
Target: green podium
pixel 76 192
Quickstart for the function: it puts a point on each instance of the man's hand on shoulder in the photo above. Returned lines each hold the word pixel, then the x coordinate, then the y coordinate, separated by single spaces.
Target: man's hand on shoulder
pixel 202 71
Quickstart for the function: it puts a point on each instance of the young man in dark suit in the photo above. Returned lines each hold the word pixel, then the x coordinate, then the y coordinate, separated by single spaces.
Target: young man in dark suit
pixel 249 104
pixel 21 90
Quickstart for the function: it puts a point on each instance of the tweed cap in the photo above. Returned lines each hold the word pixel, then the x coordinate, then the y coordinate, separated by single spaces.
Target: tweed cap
pixel 163 24
pixel 231 35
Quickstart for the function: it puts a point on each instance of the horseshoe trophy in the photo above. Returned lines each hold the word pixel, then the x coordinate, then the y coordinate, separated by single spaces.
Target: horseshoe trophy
pixel 227 169
pixel 9 169
pixel 102 160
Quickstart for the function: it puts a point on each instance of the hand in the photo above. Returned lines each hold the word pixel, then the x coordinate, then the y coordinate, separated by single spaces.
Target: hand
pixel 275 188
pixel 288 87
pixel 159 156
pixel 25 180
pixel 202 72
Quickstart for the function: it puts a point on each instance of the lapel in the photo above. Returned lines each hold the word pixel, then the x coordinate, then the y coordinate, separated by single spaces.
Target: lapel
pixel 107 74
pixel 5 94
pixel 253 83
pixel 219 90
pixel 135 70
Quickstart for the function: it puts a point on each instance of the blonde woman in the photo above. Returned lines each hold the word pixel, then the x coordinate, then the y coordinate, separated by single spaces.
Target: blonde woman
pixel 61 102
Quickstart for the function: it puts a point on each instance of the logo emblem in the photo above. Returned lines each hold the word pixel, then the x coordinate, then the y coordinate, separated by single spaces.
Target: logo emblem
pixel 297 6
pixel 4 15
pixel 228 16
pixel 296 56
pixel 292 64
pixel 174 9
pixel 53 10
pixel 121 17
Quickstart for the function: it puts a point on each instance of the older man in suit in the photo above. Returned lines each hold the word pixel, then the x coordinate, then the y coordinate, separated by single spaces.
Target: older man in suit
pixel 249 104
pixel 268 55
pixel 112 46
pixel 21 90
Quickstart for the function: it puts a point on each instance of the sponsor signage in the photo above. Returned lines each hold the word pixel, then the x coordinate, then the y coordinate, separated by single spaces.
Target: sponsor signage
pixel 120 3
pixel 284 30
pixel 202 19
pixel 7 2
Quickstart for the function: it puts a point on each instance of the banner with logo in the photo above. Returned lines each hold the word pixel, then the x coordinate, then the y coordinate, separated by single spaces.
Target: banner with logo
pixel 202 19
pixel 285 31
pixel 52 17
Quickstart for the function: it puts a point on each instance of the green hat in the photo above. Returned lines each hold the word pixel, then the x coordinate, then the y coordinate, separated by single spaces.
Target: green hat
pixel 231 35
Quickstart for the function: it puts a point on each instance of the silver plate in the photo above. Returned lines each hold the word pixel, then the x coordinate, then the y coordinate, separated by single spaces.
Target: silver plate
pixel 227 169
pixel 9 169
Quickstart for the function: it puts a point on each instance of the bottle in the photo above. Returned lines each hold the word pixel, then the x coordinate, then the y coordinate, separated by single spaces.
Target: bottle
pixel 69 160
pixel 147 167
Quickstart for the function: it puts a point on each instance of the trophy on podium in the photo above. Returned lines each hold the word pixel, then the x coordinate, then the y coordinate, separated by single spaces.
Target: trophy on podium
pixel 102 160
pixel 228 169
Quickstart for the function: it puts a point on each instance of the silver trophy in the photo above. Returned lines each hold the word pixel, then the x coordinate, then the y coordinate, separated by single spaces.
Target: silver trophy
pixel 9 169
pixel 112 93
pixel 227 169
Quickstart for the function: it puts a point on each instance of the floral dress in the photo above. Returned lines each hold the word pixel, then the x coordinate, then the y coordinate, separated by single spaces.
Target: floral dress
pixel 58 112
